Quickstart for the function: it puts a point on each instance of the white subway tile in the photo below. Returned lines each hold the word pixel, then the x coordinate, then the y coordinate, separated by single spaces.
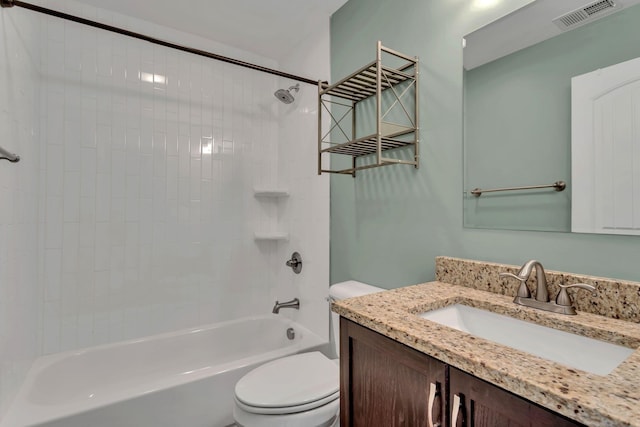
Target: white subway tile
pixel 104 113
pixel 116 281
pixel 86 274
pixel 70 244
pixel 55 117
pixel 117 214
pixel 118 131
pixel 103 149
pixel 71 198
pixel 118 173
pixel 159 154
pixel 133 138
pixel 101 326
pixel 172 178
pixel 146 176
pixel 54 215
pixel 51 327
pixel 103 247
pixel 53 274
pixel 119 66
pixel 146 213
pixel 88 171
pixel 196 178
pixel 132 206
pixel 116 332
pixel 87 234
pixel 146 135
pixel 85 331
pixel 68 332
pixel 104 62
pixel 72 145
pixel 103 197
pixel 172 138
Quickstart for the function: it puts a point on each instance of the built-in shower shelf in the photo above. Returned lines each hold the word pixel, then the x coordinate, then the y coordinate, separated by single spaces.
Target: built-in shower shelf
pixel 270 236
pixel 271 193
pixel 271 196
pixel 391 92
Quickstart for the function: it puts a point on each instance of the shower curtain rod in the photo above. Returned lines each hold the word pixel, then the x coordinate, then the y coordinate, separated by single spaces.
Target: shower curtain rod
pixel 62 15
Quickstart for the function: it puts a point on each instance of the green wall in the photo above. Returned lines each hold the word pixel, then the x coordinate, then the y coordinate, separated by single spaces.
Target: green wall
pixel 388 224
pixel 518 122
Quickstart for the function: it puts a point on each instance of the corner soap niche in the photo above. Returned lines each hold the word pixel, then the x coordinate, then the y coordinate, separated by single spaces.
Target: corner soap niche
pixel 270 195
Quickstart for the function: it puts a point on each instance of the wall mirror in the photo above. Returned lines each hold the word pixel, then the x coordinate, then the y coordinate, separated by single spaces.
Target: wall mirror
pixel 518 73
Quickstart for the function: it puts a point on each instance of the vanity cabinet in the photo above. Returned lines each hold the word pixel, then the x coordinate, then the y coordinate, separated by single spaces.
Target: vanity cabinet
pixel 384 383
pixel 483 404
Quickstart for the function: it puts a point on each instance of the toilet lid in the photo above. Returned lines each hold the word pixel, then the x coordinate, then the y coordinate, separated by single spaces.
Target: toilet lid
pixel 293 381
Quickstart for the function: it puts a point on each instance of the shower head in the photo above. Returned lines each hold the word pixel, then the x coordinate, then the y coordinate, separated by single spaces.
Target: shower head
pixel 285 95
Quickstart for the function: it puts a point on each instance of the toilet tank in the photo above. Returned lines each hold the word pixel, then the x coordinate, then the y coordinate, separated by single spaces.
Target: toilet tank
pixel 340 291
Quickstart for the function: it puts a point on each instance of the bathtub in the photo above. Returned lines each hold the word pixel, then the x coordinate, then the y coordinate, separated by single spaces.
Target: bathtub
pixel 180 379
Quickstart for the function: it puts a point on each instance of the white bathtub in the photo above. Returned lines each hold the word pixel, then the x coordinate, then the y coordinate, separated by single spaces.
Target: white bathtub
pixel 180 379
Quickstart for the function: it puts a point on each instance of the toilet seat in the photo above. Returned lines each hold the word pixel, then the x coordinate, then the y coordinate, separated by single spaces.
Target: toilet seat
pixel 324 416
pixel 290 385
pixel 284 410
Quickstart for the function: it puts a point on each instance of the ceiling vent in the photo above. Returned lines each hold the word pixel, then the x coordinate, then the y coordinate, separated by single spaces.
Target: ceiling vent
pixel 585 14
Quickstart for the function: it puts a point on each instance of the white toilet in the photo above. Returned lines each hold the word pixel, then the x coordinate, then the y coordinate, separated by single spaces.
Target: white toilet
pixel 302 390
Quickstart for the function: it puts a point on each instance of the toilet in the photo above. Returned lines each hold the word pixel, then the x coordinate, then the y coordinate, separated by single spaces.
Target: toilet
pixel 302 390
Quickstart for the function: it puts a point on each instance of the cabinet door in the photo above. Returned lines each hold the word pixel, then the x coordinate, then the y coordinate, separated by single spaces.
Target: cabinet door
pixel 386 384
pixel 484 405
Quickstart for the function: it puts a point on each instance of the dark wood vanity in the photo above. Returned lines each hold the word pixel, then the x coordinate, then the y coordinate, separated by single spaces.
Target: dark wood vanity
pixel 384 383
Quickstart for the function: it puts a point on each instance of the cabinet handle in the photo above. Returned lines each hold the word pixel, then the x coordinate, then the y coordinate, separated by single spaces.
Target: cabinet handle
pixel 455 410
pixel 433 391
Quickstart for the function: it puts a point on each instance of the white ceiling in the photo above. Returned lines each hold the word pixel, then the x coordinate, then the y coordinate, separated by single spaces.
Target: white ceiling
pixel 524 27
pixel 270 28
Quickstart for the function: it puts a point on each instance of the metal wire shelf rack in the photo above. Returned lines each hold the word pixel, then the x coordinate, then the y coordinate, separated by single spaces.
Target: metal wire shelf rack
pixel 393 90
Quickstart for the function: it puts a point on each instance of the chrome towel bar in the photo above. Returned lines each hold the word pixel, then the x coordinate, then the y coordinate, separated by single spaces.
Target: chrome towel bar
pixel 558 186
pixel 5 155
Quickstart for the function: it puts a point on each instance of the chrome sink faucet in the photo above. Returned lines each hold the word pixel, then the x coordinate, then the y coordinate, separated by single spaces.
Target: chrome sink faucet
pixel 542 294
pixel 562 304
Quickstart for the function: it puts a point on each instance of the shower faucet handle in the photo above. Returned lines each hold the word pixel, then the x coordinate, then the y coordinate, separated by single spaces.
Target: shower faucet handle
pixel 295 262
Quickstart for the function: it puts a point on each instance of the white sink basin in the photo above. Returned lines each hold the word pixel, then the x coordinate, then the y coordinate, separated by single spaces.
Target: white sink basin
pixel 587 354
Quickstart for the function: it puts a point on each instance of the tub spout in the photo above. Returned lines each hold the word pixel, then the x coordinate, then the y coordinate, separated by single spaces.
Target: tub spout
pixel 294 303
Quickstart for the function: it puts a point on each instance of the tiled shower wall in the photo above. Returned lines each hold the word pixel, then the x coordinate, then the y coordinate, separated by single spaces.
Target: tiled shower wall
pixel 150 205
pixel 152 157
pixel 132 211
pixel 20 303
pixel 305 215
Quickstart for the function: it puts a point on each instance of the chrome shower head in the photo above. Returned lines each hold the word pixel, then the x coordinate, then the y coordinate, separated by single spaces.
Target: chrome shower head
pixel 285 95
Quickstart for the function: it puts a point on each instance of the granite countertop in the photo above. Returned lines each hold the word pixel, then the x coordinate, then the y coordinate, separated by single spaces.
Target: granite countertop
pixel 611 400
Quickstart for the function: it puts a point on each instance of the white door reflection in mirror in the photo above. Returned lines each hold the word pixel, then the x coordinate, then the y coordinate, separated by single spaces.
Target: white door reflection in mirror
pixel 605 147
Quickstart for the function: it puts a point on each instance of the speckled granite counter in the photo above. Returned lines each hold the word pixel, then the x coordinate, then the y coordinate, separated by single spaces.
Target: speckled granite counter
pixel 612 400
pixel 618 299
